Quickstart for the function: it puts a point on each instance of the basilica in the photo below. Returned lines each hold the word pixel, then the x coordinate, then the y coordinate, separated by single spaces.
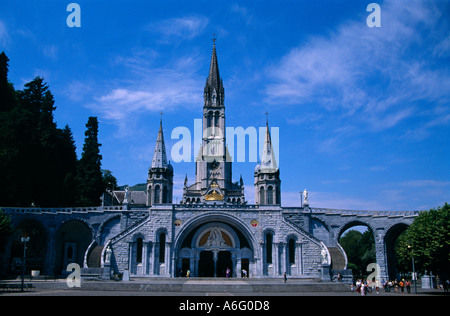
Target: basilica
pixel 212 232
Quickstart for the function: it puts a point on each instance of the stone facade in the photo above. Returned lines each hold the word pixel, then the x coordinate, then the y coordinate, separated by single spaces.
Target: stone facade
pixel 213 230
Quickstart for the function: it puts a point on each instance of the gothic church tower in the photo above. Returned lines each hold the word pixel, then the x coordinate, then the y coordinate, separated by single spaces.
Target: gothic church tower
pixel 213 174
pixel 267 175
pixel 160 174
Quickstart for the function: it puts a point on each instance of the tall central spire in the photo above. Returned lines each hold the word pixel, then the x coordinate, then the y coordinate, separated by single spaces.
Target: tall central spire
pixel 159 156
pixel 214 77
pixel 214 92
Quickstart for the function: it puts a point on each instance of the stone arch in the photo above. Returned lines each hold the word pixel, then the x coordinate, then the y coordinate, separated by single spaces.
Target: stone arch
pixel 73 236
pixel 108 229
pixel 352 223
pixel 389 240
pixel 200 220
pixel 232 244
pixel 37 250
pixel 341 261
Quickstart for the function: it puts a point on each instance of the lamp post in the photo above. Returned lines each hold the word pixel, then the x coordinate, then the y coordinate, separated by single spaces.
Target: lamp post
pixel 24 239
pixel 414 271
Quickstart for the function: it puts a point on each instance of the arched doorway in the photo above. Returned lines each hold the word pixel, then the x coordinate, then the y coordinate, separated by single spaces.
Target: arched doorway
pixel 36 247
pixel 211 246
pixel 73 239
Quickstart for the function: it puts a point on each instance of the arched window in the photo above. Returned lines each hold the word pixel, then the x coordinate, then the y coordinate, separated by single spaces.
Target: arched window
pixel 291 251
pixel 216 119
pixel 162 247
pixel 149 194
pixel 165 195
pixel 270 195
pixel 209 123
pixel 139 245
pixel 269 242
pixel 261 196
pixel 157 193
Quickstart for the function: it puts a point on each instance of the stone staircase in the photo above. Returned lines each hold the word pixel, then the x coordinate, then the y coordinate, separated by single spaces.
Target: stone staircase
pixel 93 260
pixel 337 258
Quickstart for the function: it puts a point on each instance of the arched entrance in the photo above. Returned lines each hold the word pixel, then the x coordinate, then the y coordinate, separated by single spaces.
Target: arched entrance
pixel 36 247
pixel 73 239
pixel 357 239
pixel 390 241
pixel 210 248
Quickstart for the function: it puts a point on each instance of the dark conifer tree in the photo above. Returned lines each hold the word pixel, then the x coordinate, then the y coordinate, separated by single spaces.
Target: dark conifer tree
pixel 90 182
pixel 68 167
pixel 8 142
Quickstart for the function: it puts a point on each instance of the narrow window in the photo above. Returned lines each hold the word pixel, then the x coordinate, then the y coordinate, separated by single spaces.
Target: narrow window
pixel 269 240
pixel 291 251
pixel 270 195
pixel 261 196
pixel 157 193
pixel 139 244
pixel 162 247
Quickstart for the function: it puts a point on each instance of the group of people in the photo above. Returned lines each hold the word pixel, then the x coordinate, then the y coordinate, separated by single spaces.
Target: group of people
pixel 363 287
pixel 397 286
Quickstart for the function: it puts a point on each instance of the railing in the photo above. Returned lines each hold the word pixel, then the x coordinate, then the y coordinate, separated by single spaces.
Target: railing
pixel 60 210
pixel 216 206
pixel 364 213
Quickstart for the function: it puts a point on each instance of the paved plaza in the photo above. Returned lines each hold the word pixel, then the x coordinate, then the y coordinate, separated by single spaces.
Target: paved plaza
pixel 199 287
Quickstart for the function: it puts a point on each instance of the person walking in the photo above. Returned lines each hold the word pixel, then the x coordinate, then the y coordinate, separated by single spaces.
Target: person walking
pixel 408 286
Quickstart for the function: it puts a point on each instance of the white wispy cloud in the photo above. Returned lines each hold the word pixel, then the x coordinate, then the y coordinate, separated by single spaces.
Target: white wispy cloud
pixel 187 27
pixel 375 75
pixel 4 35
pixel 147 86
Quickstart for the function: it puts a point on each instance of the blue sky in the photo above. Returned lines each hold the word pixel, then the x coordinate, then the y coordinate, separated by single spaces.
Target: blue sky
pixel 363 113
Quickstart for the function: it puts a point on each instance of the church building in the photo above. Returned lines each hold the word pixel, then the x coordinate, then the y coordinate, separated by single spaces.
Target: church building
pixel 213 230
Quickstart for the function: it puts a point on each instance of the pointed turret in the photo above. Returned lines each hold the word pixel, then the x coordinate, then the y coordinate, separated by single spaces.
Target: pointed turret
pixel 268 161
pixel 159 156
pixel 267 175
pixel 160 174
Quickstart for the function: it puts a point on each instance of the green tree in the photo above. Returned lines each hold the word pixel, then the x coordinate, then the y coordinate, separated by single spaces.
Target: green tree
pixel 90 181
pixel 37 159
pixel 41 156
pixel 360 250
pixel 428 239
pixel 109 181
pixel 7 92
pixel 9 147
pixel 5 229
pixel 68 167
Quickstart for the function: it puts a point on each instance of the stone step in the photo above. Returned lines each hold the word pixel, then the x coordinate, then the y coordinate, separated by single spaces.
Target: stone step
pixel 217 285
pixel 94 257
pixel 337 258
